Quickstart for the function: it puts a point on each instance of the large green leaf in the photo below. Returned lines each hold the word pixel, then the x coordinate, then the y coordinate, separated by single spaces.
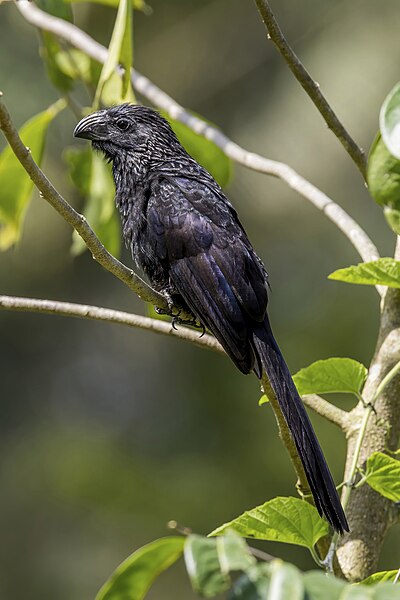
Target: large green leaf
pixel 389 121
pixel 380 577
pixel 203 566
pixel 385 271
pixel 287 520
pixel 383 475
pixel 331 375
pixel 133 578
pixel 16 185
pixel 92 176
pixel 208 154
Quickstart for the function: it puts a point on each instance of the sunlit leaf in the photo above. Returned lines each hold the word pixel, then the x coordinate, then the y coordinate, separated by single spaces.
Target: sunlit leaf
pixel 383 475
pixel 133 578
pixel 331 375
pixel 208 154
pixel 380 577
pixel 385 271
pixel 287 520
pixel 92 176
pixel 16 185
pixel 203 566
pixel 119 52
pixel 389 121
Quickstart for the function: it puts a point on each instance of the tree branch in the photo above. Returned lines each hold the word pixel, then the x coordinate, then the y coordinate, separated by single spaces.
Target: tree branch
pixel 76 220
pixel 310 86
pixel 332 413
pixel 97 313
pixel 79 39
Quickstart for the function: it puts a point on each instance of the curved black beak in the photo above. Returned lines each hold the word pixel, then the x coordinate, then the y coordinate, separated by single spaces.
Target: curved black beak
pixel 93 127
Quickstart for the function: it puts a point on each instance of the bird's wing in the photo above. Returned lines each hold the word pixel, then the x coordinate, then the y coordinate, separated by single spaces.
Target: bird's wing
pixel 211 262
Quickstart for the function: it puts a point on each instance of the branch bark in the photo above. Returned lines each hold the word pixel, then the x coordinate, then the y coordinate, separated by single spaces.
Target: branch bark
pixel 311 87
pixel 97 313
pixel 79 39
pixel 370 514
pixel 322 407
pixel 76 220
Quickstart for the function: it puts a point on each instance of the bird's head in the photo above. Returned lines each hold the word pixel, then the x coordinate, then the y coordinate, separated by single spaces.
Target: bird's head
pixel 128 129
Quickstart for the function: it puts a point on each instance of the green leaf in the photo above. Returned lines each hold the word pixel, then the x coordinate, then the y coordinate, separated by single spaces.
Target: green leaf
pixel 287 520
pixel 51 48
pixel 286 582
pixel 136 4
pixel 385 271
pixel 252 585
pixel 383 175
pixel 389 121
pixel 383 475
pixel 331 375
pixel 380 577
pixel 133 578
pixel 263 400
pixel 119 52
pixel 208 154
pixel 75 64
pixel 203 566
pixel 320 586
pixel 16 185
pixel 92 176
pixel 233 553
pixel 392 216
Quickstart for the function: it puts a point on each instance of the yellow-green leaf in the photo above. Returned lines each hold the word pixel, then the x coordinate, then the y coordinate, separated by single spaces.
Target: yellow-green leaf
pixel 287 520
pixel 16 185
pixel 92 176
pixel 331 375
pixel 133 578
pixel 385 271
pixel 383 475
pixel 380 577
pixel 119 52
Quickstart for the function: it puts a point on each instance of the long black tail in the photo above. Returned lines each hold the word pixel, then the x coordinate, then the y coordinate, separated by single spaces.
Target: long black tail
pixel 318 475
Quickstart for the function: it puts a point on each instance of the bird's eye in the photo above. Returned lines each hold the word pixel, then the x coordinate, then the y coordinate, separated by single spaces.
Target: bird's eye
pixel 123 124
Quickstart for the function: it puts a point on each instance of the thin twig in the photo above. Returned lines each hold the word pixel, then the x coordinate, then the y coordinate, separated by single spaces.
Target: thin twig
pixel 79 39
pixel 332 413
pixel 97 313
pixel 311 87
pixel 76 220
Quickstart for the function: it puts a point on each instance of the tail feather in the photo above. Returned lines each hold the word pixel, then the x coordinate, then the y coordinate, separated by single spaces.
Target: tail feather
pixel 317 472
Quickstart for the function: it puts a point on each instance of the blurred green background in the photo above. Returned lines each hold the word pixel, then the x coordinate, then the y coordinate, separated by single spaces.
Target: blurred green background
pixel 106 432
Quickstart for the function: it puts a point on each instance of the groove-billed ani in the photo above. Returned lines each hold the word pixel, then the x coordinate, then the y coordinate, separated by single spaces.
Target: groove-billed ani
pixel 186 236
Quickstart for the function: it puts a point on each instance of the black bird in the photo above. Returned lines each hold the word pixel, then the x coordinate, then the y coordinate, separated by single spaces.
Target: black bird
pixel 186 236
